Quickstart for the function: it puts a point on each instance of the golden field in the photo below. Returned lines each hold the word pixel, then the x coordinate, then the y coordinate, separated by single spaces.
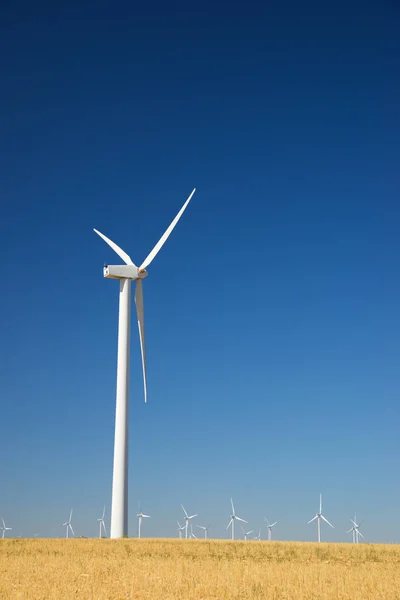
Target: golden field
pixel 193 569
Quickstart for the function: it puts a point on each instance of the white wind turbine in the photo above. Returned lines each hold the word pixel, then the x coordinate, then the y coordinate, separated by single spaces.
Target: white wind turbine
pixel 4 529
pixel 180 529
pixel 269 527
pixel 205 529
pixel 258 537
pixel 192 535
pixel 187 519
pixel 245 533
pixel 356 531
pixel 68 525
pixel 233 519
pixel 320 516
pixel 102 524
pixel 140 517
pixel 126 274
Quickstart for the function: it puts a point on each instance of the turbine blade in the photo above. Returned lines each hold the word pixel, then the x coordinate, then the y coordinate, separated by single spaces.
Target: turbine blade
pixel 233 508
pixel 183 508
pixel 127 259
pixel 316 517
pixel 146 516
pixel 73 532
pixel 326 521
pixel 276 522
pixel 229 524
pixel 140 320
pixel 166 235
pixel 239 519
pixel 320 503
pixel 193 516
pixel 70 515
pixel 104 512
pixel 354 523
pixel 267 522
pixel 359 533
pixel 350 530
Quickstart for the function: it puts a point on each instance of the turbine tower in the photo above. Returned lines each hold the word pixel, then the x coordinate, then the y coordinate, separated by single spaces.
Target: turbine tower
pixel 102 524
pixel 187 519
pixel 68 525
pixel 126 274
pixel 233 519
pixel 4 528
pixel 320 516
pixel 140 517
pixel 269 527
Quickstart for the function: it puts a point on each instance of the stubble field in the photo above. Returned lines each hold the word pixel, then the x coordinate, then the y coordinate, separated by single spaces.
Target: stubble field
pixel 194 569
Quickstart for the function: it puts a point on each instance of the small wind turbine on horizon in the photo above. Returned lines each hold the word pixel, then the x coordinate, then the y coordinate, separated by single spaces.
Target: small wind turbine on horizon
pixel 141 516
pixel 4 528
pixel 102 524
pixel 245 533
pixel 320 516
pixel 68 525
pixel 258 537
pixel 234 518
pixel 126 274
pixel 180 529
pixel 205 529
pixel 356 531
pixel 187 519
pixel 269 527
pixel 192 535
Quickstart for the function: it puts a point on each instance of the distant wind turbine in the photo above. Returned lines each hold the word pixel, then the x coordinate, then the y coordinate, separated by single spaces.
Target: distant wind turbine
pixel 269 527
pixel 205 529
pixel 180 529
pixel 245 533
pixel 356 531
pixel 187 519
pixel 233 519
pixel 126 274
pixel 141 516
pixel 258 537
pixel 68 525
pixel 4 529
pixel 102 524
pixel 192 535
pixel 320 516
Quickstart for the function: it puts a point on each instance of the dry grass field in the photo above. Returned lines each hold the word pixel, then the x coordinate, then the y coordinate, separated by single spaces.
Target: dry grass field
pixel 186 570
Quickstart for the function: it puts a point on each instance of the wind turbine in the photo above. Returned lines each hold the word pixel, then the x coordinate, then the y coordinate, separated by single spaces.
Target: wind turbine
pixel 269 527
pixel 192 535
pixel 102 524
pixel 141 516
pixel 187 519
pixel 205 529
pixel 126 274
pixel 4 529
pixel 180 529
pixel 245 533
pixel 233 519
pixel 320 516
pixel 68 525
pixel 356 531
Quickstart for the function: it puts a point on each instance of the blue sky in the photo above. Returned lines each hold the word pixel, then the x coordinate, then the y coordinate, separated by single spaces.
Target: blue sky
pixel 272 318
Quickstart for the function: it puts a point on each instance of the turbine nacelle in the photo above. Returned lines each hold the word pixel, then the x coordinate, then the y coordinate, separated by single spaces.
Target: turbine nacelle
pixel 124 272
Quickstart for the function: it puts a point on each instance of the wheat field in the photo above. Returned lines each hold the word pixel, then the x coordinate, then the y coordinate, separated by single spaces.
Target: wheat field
pixel 192 569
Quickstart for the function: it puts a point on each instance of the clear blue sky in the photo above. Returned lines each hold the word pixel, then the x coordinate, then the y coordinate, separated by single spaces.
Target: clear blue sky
pixel 272 313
